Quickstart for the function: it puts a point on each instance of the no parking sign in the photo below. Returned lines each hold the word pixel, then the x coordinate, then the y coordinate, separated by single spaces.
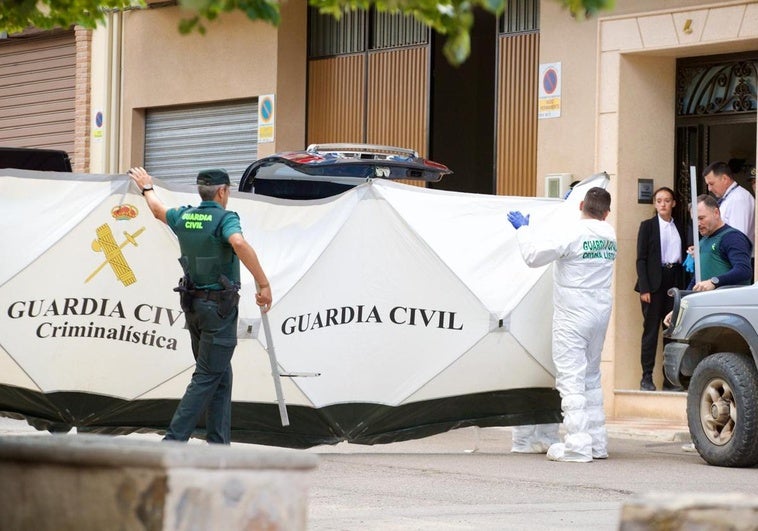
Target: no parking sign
pixel 550 90
pixel 266 122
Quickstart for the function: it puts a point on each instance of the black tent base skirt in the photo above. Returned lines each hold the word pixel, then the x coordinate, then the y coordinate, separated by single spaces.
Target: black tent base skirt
pixel 258 423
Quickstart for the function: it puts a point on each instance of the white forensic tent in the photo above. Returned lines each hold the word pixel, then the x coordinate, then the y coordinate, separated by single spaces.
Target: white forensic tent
pixel 413 306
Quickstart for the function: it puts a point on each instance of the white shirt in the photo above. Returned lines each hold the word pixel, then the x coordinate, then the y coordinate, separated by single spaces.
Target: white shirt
pixel 737 208
pixel 671 242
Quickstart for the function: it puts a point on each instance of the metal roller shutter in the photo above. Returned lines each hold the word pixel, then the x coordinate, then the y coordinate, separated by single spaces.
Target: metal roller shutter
pixel 37 91
pixel 181 141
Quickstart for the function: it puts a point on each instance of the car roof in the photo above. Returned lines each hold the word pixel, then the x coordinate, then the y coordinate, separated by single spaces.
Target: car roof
pixel 334 168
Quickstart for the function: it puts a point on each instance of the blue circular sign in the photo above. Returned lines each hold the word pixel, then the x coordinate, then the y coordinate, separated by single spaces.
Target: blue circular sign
pixel 550 81
pixel 267 109
pixel 99 119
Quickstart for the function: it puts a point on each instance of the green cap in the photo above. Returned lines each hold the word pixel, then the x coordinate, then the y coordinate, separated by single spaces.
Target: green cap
pixel 212 177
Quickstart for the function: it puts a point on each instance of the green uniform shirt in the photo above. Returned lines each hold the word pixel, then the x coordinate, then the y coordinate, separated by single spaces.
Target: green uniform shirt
pixel 203 234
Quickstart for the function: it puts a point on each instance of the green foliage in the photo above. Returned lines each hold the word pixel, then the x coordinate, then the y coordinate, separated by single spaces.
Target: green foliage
pixel 453 18
pixel 265 10
pixel 17 15
pixel 581 9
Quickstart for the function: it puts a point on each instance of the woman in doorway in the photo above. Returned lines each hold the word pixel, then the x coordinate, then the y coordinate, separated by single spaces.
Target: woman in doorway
pixel 660 252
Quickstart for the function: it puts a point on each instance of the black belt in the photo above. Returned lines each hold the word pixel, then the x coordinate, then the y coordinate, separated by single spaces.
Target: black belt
pixel 671 265
pixel 208 294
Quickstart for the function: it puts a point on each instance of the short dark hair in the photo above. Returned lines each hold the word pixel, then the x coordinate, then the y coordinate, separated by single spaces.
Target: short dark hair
pixel 597 202
pixel 718 168
pixel 708 200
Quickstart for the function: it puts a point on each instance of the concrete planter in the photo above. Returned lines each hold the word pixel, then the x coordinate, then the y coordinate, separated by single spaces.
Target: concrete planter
pixel 95 482
pixel 690 511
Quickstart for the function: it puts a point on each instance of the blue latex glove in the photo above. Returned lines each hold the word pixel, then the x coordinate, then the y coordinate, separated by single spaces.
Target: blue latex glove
pixel 689 264
pixel 517 219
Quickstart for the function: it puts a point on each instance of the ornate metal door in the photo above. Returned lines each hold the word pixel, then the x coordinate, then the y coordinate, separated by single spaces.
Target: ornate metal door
pixel 711 91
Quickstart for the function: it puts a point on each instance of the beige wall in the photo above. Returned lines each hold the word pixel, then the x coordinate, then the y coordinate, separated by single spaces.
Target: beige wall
pixel 292 59
pixel 567 144
pixel 236 58
pixel 645 151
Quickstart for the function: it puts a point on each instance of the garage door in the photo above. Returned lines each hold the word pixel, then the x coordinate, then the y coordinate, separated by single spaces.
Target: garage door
pixel 37 91
pixel 180 141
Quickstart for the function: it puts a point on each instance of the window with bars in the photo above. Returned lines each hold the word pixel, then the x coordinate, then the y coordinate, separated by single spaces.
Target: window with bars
pixel 361 31
pixel 716 86
pixel 329 36
pixel 392 30
pixel 520 16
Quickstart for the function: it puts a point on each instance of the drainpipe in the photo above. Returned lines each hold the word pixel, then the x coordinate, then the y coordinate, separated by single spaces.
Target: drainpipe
pixel 113 92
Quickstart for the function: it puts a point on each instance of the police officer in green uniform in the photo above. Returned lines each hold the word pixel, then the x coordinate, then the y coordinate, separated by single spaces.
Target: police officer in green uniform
pixel 212 247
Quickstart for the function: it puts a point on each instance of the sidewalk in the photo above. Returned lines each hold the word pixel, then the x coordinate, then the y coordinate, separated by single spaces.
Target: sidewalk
pixel 648 429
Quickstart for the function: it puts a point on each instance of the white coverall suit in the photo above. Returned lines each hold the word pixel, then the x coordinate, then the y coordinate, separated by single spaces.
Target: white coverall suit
pixel 583 253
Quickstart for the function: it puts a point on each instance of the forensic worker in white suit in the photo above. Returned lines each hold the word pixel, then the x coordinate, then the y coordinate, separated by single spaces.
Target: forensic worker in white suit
pixel 583 252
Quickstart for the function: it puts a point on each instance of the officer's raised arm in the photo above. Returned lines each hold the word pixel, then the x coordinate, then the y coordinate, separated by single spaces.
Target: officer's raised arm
pixel 144 182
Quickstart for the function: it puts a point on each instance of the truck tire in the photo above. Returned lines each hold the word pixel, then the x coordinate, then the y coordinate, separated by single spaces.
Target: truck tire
pixel 722 410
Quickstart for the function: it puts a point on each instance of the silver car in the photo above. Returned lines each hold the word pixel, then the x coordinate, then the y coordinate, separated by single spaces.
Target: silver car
pixel 713 353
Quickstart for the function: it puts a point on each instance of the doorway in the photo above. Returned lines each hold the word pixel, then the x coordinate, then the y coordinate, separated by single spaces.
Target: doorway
pixel 716 120
pixel 462 121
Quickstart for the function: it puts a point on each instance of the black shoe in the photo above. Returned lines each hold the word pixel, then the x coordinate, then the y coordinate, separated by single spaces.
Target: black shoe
pixel 646 384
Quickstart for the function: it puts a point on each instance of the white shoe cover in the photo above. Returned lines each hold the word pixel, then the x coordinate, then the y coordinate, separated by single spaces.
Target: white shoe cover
pixel 533 448
pixel 596 423
pixel 558 452
pixel 534 439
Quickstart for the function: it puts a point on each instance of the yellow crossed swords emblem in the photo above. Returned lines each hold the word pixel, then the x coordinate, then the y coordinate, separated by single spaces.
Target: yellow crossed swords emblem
pixel 106 243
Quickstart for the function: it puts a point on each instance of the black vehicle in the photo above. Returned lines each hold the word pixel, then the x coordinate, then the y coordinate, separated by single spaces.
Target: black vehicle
pixel 35 159
pixel 324 170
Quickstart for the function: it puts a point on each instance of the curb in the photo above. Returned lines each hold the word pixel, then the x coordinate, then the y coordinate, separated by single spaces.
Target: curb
pixel 647 429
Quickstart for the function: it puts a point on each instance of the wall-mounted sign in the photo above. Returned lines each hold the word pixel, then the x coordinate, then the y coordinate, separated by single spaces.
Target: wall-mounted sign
pixel 645 191
pixel 98 121
pixel 550 90
pixel 266 122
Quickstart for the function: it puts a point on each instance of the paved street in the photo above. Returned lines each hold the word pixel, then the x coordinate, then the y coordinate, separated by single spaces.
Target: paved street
pixel 467 479
pixel 439 483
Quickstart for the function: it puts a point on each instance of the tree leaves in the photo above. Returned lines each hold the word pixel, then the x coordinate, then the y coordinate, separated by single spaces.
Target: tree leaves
pixel 18 15
pixel 453 18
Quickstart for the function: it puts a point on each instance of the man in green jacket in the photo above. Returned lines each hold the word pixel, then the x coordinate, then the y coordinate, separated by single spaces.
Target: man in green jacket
pixel 724 250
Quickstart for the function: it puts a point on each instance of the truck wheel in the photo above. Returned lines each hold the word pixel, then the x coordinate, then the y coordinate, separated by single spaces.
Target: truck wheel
pixel 722 410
